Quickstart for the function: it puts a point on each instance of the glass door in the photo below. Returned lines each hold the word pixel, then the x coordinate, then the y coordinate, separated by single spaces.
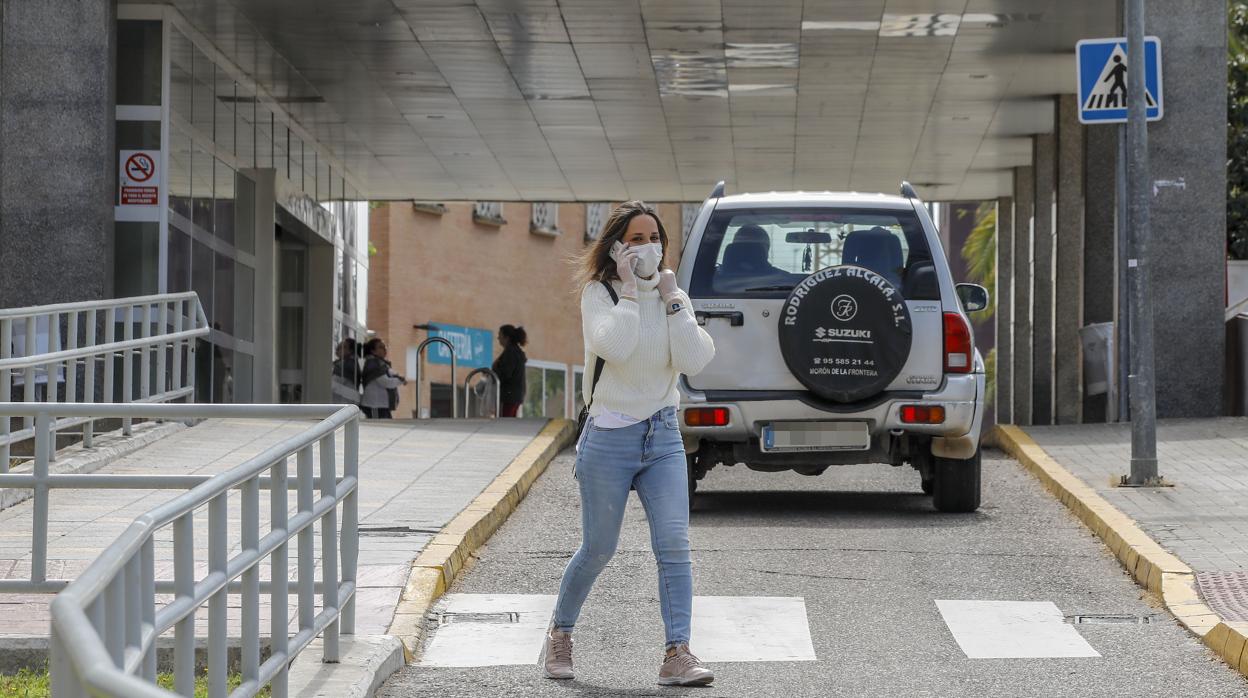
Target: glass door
pixel 292 319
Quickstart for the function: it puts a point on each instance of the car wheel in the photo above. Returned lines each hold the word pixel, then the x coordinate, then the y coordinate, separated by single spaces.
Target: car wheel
pixel 956 484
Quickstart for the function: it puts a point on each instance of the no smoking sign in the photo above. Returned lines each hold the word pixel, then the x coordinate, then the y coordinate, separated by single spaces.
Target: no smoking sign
pixel 137 178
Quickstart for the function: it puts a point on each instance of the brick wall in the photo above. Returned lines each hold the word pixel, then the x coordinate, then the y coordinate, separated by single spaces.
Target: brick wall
pixel 450 269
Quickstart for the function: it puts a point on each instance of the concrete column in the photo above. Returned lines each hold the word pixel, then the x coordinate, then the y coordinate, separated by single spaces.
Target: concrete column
pixel 1189 223
pixel 1044 160
pixel 265 295
pixel 1100 168
pixel 1068 290
pixel 1020 394
pixel 57 160
pixel 1004 298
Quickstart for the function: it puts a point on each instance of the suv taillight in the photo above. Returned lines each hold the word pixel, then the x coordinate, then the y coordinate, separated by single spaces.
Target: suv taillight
pixel 707 417
pixel 958 349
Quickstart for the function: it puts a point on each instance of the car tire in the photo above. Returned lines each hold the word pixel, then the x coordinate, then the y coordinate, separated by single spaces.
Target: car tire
pixel 956 484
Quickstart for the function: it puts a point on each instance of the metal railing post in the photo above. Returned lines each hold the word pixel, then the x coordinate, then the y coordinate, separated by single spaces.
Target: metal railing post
pixel 71 365
pixel 115 619
pixel 304 559
pixel 6 392
pixel 329 547
pixel 127 369
pixel 51 371
pixel 177 348
pixel 148 601
pixel 88 387
pixel 145 354
pixel 29 348
pixel 218 531
pixel 133 603
pixel 250 524
pixel 39 546
pixel 279 593
pixel 110 358
pixel 350 518
pixel 162 349
pixel 192 348
pixel 65 682
pixel 184 588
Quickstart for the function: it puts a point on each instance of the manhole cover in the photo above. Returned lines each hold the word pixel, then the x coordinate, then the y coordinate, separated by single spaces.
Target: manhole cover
pixel 1109 619
pixel 1226 593
pixel 505 617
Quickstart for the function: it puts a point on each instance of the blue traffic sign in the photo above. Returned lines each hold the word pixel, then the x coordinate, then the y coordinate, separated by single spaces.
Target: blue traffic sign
pixel 1102 69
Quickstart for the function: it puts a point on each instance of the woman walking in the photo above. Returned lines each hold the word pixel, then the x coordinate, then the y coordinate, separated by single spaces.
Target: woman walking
pixel 632 439
pixel 509 367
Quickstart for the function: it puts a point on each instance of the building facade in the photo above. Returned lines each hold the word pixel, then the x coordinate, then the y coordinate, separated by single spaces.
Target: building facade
pixel 461 270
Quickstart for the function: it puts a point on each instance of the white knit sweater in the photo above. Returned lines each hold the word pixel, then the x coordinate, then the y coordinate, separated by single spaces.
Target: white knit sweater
pixel 644 349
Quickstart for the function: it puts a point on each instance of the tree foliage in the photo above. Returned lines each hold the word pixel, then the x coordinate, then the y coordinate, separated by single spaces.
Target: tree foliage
pixel 1237 130
pixel 980 254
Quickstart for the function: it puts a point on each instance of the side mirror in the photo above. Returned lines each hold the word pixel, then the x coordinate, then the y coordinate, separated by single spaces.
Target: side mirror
pixel 973 296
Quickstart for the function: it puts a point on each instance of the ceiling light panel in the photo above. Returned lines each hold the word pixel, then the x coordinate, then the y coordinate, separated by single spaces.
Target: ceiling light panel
pixel 775 55
pixel 690 73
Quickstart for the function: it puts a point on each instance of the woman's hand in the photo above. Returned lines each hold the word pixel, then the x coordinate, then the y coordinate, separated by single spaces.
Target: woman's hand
pixel 625 257
pixel 667 285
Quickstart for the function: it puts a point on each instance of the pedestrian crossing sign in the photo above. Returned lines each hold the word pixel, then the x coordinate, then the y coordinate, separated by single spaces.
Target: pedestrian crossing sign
pixel 1102 68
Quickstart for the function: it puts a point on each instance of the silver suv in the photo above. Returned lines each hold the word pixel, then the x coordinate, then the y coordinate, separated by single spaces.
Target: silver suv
pixel 840 337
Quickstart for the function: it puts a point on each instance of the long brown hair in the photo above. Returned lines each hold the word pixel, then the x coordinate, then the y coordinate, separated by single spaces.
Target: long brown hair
pixel 596 263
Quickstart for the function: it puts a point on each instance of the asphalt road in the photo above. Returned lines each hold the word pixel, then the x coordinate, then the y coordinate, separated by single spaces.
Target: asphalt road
pixel 869 556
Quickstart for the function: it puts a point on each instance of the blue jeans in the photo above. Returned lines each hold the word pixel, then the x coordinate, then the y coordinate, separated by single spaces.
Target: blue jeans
pixel 650 457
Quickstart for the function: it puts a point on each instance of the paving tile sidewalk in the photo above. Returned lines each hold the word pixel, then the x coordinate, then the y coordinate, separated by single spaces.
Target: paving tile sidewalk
pixel 414 478
pixel 1203 519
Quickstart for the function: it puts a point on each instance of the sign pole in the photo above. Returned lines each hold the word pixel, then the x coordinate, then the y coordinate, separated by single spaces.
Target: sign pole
pixel 1122 367
pixel 1143 386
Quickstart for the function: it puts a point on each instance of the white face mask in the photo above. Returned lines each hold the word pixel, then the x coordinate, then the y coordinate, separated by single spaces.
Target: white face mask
pixel 648 259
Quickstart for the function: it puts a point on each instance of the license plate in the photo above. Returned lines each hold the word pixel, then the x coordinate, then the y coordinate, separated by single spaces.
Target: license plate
pixel 815 436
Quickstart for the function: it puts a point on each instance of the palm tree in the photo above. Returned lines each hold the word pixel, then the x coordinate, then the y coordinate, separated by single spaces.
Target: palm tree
pixel 980 254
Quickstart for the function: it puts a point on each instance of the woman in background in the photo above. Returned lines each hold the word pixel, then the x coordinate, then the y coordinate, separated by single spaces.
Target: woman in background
pixel 509 367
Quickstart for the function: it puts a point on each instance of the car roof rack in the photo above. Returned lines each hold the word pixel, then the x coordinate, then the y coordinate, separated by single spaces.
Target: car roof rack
pixel 717 191
pixel 908 191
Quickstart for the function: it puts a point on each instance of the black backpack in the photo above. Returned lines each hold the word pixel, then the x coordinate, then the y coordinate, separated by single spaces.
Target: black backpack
pixel 598 364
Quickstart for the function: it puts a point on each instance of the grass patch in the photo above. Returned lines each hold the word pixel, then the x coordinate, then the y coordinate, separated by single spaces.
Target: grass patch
pixel 35 684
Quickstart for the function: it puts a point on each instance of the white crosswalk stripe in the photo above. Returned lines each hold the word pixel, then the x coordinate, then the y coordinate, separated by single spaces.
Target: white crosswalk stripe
pixel 1012 630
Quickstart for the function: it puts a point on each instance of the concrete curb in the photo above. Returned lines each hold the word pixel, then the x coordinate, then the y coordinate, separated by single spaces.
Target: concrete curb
pixel 109 446
pixel 1151 565
pixel 442 559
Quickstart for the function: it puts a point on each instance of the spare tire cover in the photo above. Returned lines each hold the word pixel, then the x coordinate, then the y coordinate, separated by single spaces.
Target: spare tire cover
pixel 845 333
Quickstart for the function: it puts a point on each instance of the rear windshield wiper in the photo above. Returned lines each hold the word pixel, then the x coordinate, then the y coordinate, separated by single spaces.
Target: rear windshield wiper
pixel 760 289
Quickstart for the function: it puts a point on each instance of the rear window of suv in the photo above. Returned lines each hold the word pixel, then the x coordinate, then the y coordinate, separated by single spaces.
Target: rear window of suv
pixel 765 252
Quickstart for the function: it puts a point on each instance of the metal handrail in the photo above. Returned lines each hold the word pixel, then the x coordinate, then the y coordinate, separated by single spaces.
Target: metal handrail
pixel 167 324
pixel 106 622
pixel 498 389
pixel 420 355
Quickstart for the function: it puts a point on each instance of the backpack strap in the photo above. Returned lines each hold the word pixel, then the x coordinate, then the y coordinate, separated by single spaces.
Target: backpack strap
pixel 615 300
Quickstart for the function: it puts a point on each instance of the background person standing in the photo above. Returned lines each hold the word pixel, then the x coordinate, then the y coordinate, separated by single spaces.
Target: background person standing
pixel 509 367
pixel 379 381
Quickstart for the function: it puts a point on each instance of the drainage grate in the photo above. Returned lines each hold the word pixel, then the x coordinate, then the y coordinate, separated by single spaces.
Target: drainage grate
pixel 504 617
pixel 1110 619
pixel 1226 593
pixel 395 531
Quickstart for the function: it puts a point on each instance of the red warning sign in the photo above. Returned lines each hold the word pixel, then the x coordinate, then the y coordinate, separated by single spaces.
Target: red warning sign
pixel 137 178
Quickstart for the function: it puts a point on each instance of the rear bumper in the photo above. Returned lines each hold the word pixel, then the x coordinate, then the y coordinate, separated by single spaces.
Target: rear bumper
pixel 962 396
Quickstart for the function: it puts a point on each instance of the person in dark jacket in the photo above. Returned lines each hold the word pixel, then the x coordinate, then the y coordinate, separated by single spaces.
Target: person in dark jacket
pixel 509 367
pixel 381 383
